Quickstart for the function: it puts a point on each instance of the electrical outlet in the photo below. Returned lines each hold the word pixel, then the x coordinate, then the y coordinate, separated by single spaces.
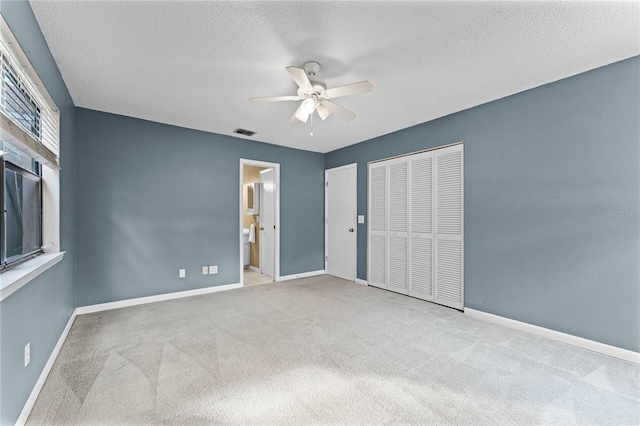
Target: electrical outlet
pixel 213 269
pixel 27 354
pixel 205 270
pixel 182 273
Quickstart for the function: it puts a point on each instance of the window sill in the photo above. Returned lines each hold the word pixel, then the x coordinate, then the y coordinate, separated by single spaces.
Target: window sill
pixel 13 279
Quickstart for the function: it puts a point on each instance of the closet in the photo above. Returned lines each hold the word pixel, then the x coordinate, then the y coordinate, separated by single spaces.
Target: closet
pixel 416 229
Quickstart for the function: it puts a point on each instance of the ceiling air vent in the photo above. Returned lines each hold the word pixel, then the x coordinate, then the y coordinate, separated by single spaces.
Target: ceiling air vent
pixel 244 132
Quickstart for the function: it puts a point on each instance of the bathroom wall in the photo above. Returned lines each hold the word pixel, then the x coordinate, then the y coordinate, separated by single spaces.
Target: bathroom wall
pixel 251 174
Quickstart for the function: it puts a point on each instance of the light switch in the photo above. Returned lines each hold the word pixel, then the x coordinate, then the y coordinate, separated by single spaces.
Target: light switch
pixel 360 218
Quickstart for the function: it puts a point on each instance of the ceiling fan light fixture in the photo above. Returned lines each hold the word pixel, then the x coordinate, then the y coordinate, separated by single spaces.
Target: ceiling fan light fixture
pixel 308 105
pixel 301 115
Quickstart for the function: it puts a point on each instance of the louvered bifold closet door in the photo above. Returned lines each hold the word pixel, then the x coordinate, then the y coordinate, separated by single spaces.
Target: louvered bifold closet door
pixel 398 236
pixel 449 284
pixel 377 261
pixel 421 199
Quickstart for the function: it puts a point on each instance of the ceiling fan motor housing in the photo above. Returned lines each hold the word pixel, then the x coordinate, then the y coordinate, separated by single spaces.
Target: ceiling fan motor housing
pixel 311 68
pixel 318 88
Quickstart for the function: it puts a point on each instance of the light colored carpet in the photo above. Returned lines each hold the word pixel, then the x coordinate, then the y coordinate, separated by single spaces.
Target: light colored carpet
pixel 323 351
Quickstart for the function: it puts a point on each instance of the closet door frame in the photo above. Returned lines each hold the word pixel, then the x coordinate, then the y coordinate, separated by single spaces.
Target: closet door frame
pixel 458 146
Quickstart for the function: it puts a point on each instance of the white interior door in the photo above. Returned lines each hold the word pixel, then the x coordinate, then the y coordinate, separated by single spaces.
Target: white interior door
pixel 449 262
pixel 377 241
pixel 267 222
pixel 415 240
pixel 398 241
pixel 421 224
pixel 340 223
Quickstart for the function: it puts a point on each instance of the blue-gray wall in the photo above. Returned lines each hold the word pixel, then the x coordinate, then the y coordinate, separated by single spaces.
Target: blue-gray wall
pixel 154 198
pixel 551 209
pixel 551 202
pixel 39 311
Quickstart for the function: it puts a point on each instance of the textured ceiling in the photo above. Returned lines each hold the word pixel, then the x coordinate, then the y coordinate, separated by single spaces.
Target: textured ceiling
pixel 195 64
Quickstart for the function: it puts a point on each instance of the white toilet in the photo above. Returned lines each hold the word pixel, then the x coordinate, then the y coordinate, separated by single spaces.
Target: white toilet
pixel 245 247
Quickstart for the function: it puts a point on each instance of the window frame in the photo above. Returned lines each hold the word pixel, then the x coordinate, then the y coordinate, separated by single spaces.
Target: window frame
pixel 43 148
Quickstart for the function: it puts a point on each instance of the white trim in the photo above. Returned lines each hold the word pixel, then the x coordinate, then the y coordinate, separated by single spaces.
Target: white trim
pixel 570 339
pixel 346 166
pixel 254 269
pixel 11 133
pixel 276 167
pixel 151 299
pixel 326 214
pixel 301 275
pixel 33 396
pixel 13 279
pixel 261 243
pixel 361 282
pixel 50 209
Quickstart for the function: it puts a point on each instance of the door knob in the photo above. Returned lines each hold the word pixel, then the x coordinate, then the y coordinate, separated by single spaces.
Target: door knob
pixel 262 228
pixel 350 229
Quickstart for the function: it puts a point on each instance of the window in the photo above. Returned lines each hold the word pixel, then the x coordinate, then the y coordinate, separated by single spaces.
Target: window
pixel 29 163
pixel 21 201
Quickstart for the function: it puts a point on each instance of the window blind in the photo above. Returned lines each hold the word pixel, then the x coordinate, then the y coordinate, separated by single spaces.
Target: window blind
pixel 29 118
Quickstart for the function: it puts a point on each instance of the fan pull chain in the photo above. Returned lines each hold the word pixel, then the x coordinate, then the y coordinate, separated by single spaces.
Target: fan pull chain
pixel 311 133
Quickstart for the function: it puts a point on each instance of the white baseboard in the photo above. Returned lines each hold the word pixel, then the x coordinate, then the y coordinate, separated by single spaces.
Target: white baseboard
pixel 28 405
pixel 254 269
pixel 570 339
pixel 150 299
pixel 361 282
pixel 301 275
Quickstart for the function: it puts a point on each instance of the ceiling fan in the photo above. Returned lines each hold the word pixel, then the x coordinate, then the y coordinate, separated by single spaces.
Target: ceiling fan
pixel 315 96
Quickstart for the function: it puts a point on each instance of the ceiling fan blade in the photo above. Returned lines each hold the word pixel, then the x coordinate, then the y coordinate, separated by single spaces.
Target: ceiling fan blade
pixel 300 76
pixel 294 119
pixel 349 89
pixel 341 112
pixel 276 98
pixel 323 111
pixel 299 116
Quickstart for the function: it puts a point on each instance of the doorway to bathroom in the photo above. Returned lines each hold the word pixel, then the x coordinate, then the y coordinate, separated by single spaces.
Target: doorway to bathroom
pixel 259 222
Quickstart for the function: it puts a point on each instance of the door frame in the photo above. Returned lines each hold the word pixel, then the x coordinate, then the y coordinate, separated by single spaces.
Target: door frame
pixel 261 248
pixel 462 213
pixel 326 215
pixel 276 254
